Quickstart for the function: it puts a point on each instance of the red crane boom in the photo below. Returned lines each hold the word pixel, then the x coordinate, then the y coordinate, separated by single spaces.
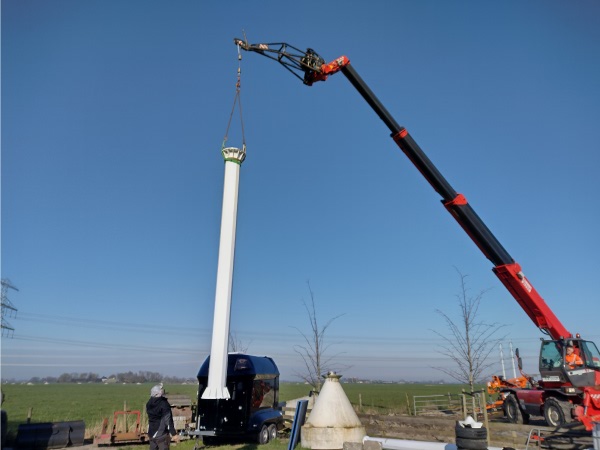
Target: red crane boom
pixel 565 392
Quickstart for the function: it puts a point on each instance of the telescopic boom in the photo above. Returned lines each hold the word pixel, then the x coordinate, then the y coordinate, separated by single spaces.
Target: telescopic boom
pixel 309 67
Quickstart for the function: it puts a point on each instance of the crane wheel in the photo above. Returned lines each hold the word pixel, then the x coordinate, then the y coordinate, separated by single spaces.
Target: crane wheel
pixel 557 413
pixel 513 412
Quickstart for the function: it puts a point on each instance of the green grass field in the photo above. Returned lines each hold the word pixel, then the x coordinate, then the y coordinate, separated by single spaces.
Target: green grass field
pixel 93 402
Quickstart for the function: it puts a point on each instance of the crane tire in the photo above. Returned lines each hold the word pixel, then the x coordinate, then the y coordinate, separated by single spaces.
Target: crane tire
pixel 556 412
pixel 471 444
pixel 513 412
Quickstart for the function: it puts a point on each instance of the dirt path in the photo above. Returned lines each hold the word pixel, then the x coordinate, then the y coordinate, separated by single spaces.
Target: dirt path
pixel 501 434
pixel 441 429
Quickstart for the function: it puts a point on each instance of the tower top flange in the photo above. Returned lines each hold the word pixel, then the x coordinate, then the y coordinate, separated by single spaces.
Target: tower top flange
pixel 234 154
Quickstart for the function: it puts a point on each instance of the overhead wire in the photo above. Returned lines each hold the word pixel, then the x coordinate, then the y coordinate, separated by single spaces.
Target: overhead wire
pixel 116 346
pixel 113 325
pixel 180 330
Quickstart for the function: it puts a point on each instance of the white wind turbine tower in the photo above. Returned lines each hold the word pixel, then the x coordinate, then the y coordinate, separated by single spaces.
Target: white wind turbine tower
pixel 234 157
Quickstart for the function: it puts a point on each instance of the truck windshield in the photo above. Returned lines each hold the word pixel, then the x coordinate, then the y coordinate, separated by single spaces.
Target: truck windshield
pixel 590 354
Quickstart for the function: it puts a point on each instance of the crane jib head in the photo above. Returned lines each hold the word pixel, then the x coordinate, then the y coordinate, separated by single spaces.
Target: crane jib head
pixel 307 65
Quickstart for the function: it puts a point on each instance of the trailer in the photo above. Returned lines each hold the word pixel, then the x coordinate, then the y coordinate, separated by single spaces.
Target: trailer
pixel 251 412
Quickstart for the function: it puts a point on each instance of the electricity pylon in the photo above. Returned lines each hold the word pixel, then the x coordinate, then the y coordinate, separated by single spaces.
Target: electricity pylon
pixel 7 307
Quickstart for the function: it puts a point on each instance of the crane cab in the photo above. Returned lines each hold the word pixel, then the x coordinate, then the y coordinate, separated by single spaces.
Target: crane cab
pixel 557 368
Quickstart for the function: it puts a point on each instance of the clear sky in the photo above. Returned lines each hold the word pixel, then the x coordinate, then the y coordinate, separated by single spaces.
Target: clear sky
pixel 113 115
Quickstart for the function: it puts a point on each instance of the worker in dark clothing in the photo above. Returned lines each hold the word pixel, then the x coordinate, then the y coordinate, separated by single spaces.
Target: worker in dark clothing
pixel 161 428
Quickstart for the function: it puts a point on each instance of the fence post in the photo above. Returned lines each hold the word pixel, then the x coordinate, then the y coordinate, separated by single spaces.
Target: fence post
pixel 464 404
pixel 485 415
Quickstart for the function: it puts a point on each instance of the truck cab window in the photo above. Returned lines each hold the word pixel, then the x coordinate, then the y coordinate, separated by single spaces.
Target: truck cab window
pixel 550 355
pixel 590 354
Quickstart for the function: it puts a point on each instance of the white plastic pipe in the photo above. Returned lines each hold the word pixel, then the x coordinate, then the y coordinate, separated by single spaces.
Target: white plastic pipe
pixel 403 444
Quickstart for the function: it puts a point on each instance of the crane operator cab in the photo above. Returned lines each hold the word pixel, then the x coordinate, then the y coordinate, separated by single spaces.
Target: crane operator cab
pixel 573 361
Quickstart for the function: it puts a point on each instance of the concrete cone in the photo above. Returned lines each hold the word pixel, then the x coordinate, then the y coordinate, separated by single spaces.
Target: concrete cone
pixel 332 420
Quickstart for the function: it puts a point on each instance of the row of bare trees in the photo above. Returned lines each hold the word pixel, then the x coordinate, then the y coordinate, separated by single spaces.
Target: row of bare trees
pixel 141 376
pixel 467 342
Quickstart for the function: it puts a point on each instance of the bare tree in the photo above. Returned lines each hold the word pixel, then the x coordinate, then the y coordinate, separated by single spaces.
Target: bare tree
pixel 236 344
pixel 470 341
pixel 312 352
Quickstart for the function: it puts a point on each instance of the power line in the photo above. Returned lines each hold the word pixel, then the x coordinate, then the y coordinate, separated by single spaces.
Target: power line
pixel 292 335
pixel 111 325
pixel 280 337
pixel 120 346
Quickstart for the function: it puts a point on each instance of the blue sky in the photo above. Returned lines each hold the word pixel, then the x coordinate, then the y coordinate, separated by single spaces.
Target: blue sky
pixel 113 115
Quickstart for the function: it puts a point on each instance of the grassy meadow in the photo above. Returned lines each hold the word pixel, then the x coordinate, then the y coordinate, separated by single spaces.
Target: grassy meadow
pixel 93 402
